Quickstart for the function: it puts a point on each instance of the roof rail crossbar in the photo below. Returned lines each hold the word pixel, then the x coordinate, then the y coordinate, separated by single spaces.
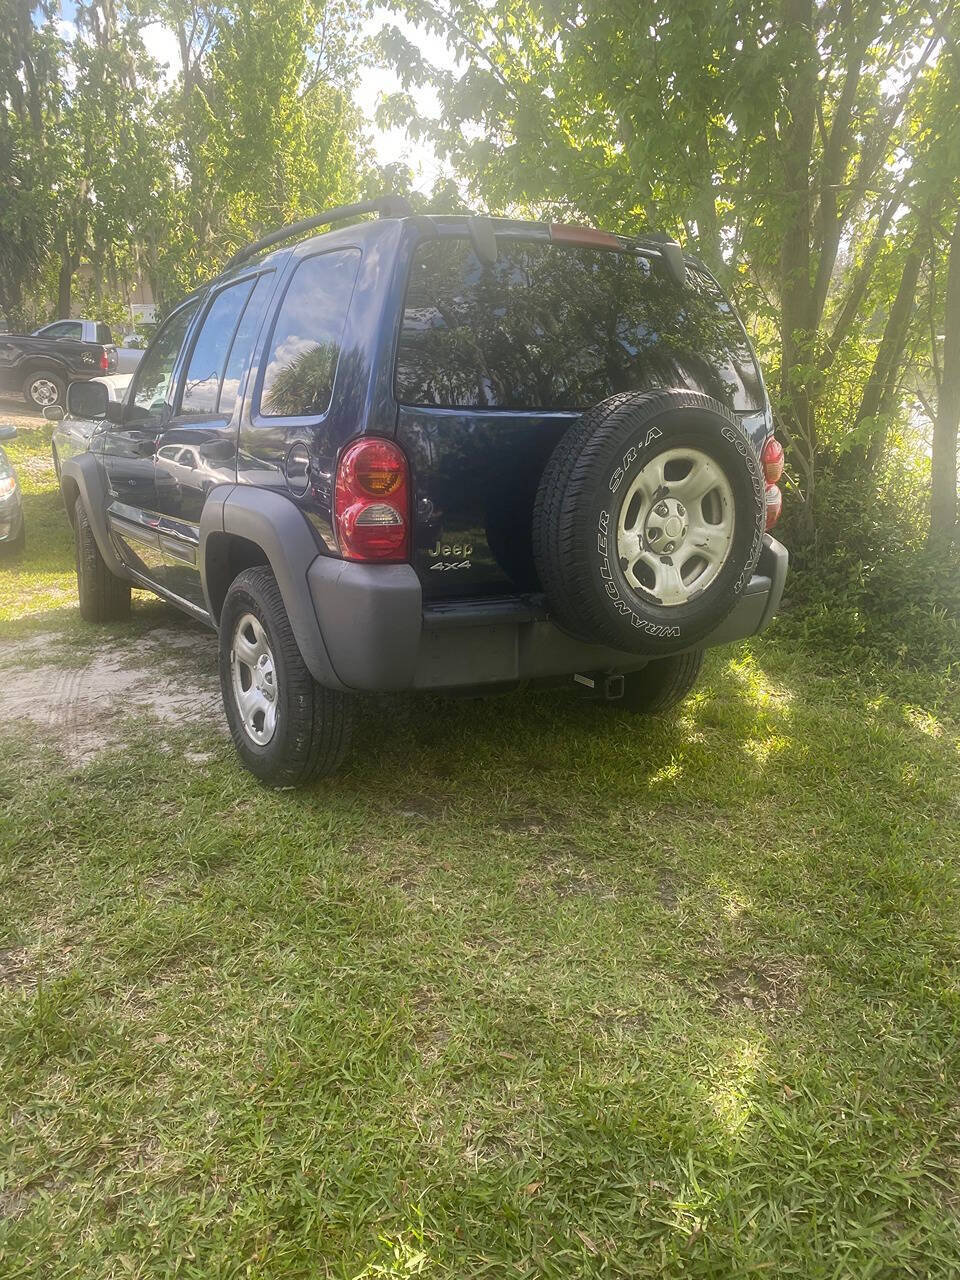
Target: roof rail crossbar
pixel 387 206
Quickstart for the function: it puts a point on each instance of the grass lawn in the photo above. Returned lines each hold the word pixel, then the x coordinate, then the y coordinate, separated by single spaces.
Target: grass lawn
pixel 532 989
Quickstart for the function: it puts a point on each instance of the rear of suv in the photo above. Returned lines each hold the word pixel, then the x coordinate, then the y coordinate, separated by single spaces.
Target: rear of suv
pixel 437 453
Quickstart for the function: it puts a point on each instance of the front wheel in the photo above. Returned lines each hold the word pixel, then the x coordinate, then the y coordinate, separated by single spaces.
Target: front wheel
pixel 103 596
pixel 287 729
pixel 661 684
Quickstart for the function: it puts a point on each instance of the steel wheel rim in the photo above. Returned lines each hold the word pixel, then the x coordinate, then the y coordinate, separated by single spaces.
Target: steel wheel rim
pixel 44 392
pixel 675 526
pixel 254 675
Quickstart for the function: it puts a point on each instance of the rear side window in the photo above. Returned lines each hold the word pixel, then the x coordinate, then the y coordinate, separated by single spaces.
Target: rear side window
pixel 65 329
pixel 561 327
pixel 305 345
pixel 104 335
pixel 202 386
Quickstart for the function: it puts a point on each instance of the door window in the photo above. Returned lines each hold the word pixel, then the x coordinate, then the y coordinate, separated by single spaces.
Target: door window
pixel 243 341
pixel 201 389
pixel 305 344
pixel 151 387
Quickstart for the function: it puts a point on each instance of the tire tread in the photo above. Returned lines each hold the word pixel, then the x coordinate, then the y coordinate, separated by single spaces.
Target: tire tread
pixel 321 719
pixel 102 595
pixel 560 550
pixel 662 683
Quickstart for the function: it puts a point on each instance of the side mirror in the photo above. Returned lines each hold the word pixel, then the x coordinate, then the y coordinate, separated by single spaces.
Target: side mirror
pixel 53 412
pixel 7 430
pixel 87 399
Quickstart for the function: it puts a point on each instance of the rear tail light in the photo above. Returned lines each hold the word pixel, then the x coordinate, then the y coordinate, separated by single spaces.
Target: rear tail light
pixel 104 361
pixel 772 459
pixel 372 501
pixel 771 455
pixel 774 503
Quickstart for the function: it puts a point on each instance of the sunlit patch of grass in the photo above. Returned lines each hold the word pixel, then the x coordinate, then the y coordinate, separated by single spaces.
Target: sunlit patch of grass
pixel 923 721
pixel 762 749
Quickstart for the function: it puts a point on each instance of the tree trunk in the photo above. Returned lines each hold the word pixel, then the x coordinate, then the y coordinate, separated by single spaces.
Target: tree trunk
pixel 65 279
pixel 943 491
pixel 796 288
pixel 886 366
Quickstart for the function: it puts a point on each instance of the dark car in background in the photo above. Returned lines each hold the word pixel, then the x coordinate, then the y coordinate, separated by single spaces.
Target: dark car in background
pixel 437 453
pixel 12 532
pixel 40 365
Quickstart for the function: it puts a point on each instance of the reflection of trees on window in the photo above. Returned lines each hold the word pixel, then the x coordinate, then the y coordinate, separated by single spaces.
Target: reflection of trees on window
pixel 303 384
pixel 556 328
pixel 298 378
pixel 152 379
pixel 202 384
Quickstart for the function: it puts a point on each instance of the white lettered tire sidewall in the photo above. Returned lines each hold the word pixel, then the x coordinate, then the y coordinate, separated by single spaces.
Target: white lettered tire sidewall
pixel 576 530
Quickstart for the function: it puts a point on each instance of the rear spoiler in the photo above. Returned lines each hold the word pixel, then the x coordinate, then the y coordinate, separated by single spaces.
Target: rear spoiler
pixel 483 235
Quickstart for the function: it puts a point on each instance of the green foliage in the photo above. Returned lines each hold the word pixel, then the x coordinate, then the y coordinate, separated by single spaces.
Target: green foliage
pixel 30 94
pixel 800 149
pixel 870 591
pixel 263 129
pixel 103 162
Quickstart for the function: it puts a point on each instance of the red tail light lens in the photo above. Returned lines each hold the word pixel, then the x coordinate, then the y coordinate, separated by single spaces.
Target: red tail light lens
pixel 372 501
pixel 774 504
pixel 104 362
pixel 772 459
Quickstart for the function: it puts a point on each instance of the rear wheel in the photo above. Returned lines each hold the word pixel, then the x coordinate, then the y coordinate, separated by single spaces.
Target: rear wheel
pixel 661 684
pixel 103 596
pixel 287 728
pixel 42 389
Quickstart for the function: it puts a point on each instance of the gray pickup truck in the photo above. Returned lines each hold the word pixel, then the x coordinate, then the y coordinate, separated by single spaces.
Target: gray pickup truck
pixel 39 365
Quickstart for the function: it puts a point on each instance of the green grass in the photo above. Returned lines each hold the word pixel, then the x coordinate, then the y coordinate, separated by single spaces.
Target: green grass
pixel 533 989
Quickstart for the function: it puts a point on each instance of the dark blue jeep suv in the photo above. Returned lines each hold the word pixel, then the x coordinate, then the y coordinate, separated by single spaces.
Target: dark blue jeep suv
pixel 436 453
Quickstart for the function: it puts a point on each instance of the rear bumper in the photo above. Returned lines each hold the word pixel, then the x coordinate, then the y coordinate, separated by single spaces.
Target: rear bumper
pixel 378 635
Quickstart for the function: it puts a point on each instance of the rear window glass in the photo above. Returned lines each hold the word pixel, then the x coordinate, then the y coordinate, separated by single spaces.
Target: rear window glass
pixel 104 335
pixel 562 327
pixel 305 345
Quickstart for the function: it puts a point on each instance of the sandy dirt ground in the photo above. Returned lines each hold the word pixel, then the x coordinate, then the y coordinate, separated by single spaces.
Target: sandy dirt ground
pixel 87 707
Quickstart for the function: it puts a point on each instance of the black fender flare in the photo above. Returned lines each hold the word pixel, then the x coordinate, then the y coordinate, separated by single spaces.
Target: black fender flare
pixel 43 363
pixel 277 526
pixel 81 475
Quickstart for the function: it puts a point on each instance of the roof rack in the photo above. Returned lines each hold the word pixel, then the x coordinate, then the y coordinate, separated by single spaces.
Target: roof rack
pixel 387 206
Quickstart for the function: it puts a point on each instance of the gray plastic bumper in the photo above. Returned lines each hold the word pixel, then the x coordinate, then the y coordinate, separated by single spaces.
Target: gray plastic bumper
pixel 378 634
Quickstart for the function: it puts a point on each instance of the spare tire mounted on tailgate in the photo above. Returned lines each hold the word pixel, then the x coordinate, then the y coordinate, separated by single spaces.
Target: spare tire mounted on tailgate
pixel 649 520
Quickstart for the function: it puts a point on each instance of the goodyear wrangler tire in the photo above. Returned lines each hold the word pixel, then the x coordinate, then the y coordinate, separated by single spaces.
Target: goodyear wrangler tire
pixel 648 521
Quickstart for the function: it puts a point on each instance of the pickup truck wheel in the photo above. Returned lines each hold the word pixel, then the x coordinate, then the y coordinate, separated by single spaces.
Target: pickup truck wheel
pixel 103 596
pixel 43 389
pixel 287 728
pixel 648 522
pixel 661 684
